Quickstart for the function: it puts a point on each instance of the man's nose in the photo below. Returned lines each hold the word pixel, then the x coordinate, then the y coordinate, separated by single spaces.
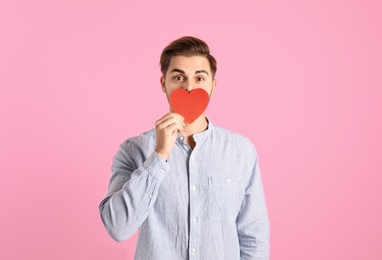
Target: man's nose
pixel 188 86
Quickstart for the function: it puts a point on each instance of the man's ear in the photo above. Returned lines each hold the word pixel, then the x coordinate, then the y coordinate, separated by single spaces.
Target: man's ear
pixel 213 87
pixel 163 84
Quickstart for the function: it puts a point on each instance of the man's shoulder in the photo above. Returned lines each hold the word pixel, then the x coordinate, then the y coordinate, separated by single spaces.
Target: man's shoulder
pixel 232 140
pixel 222 132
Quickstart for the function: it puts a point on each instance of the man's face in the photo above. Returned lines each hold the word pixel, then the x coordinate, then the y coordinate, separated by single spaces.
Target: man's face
pixel 188 73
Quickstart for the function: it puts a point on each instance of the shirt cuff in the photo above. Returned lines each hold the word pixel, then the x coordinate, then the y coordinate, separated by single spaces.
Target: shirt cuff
pixel 156 166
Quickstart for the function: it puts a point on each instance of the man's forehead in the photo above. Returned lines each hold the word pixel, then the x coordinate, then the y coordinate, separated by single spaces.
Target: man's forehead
pixel 189 64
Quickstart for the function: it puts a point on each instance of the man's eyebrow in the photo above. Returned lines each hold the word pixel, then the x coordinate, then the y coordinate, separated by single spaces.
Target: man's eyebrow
pixel 178 70
pixel 201 71
pixel 196 72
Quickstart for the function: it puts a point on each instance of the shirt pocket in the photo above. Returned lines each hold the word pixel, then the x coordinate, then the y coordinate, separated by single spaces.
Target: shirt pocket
pixel 225 195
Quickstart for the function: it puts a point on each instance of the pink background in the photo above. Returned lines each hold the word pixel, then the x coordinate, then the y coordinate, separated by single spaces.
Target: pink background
pixel 301 79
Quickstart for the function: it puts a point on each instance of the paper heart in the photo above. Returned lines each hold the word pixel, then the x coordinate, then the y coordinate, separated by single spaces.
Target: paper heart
pixel 189 104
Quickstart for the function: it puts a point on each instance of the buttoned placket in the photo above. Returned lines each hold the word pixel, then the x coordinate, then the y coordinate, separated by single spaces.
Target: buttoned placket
pixel 194 197
pixel 194 203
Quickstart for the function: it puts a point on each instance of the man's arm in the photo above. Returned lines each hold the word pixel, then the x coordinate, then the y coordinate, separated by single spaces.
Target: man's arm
pixel 133 189
pixel 131 193
pixel 252 222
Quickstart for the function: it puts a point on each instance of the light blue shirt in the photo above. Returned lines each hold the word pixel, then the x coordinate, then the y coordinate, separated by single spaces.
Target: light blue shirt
pixel 206 203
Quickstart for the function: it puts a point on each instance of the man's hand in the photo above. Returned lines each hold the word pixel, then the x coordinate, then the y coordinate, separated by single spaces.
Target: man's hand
pixel 167 128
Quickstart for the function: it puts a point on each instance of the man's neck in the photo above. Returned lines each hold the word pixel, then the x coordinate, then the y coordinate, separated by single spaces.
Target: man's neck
pixel 199 125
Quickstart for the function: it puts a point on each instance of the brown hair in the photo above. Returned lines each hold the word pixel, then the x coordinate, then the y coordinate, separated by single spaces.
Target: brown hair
pixel 186 46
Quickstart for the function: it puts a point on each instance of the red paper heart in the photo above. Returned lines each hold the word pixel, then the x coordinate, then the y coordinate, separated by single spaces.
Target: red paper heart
pixel 189 104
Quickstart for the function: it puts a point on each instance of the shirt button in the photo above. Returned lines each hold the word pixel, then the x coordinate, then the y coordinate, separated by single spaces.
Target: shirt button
pixel 193 187
pixel 181 138
pixel 193 250
pixel 229 180
pixel 194 220
pixel 150 196
pixel 162 170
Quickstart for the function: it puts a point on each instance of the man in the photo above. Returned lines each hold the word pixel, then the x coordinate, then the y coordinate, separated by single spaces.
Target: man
pixel 194 191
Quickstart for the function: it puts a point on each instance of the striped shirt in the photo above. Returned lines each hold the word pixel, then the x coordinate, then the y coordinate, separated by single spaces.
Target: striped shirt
pixel 202 203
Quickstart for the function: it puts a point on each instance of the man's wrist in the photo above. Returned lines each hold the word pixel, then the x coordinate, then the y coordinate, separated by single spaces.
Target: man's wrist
pixel 162 155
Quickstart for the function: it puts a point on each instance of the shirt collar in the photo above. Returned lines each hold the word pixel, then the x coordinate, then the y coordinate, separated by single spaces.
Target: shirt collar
pixel 199 137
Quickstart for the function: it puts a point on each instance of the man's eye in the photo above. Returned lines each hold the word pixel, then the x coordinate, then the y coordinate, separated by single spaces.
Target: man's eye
pixel 179 78
pixel 200 79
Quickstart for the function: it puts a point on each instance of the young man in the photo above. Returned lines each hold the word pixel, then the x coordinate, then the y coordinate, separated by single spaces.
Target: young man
pixel 194 191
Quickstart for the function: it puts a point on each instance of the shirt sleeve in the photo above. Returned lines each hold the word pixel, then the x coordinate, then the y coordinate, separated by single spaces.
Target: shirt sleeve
pixel 132 191
pixel 252 221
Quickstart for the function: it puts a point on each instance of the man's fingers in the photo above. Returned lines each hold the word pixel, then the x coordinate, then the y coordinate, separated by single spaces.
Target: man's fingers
pixel 169 116
pixel 166 131
pixel 169 123
pixel 174 128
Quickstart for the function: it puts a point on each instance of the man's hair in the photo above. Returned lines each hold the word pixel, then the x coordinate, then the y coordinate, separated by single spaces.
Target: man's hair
pixel 186 46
